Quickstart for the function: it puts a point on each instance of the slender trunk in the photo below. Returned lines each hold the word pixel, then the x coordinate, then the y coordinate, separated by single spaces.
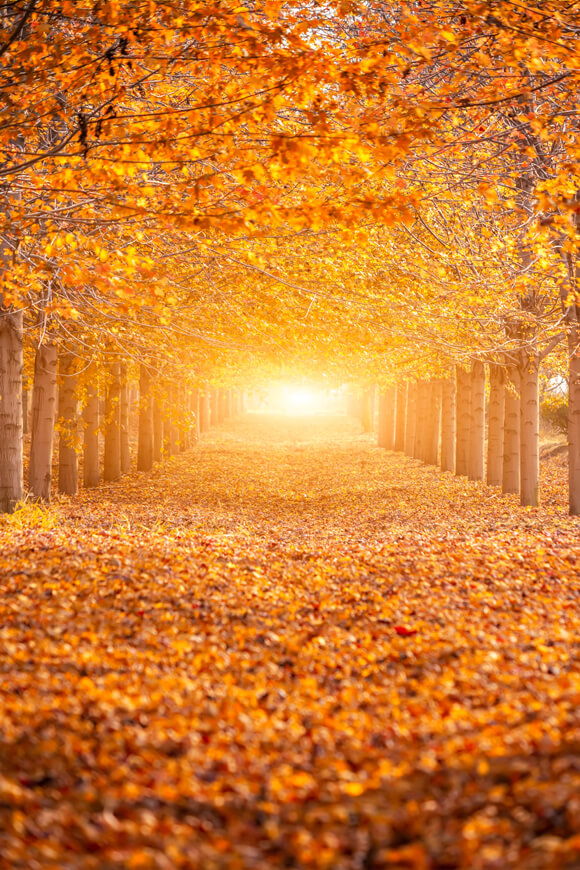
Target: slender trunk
pixel 204 410
pixel 511 434
pixel 112 459
pixel 11 361
pixel 434 423
pixel 400 417
pixel 26 411
pixel 463 406
pixel 195 404
pixel 124 421
pixel 68 460
pixel 496 424
pixel 157 428
pixel 477 421
pixel 390 418
pixel 574 420
pixel 43 419
pixel 529 432
pixel 367 410
pixel 448 425
pixel 411 418
pixel 214 408
pixel 422 398
pixel 91 473
pixel 145 442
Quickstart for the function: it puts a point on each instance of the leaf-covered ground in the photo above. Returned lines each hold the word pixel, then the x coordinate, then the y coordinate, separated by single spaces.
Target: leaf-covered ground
pixel 288 648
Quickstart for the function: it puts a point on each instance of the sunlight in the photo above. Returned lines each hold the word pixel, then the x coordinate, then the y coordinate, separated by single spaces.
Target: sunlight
pixel 300 401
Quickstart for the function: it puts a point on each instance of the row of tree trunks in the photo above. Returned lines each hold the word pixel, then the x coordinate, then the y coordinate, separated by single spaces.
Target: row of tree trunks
pixel 443 422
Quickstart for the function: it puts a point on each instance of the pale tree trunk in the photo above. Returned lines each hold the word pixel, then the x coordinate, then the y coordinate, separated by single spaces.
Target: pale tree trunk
pixel 382 428
pixel 367 410
pixel 68 460
pixel 511 433
pixel 157 428
pixel 463 406
pixel 411 418
pixel 214 408
pixel 448 425
pixel 390 418
pixel 422 403
pixel 112 459
pixel 195 403
pixel 11 361
pixel 173 411
pixel 574 420
pixel 124 421
pixel 434 423
pixel 91 474
pixel 43 419
pixel 529 431
pixel 496 424
pixel 145 438
pixel 25 411
pixel 400 417
pixel 204 410
pixel 477 421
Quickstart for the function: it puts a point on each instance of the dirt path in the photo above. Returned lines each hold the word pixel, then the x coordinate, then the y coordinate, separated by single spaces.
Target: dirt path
pixel 288 648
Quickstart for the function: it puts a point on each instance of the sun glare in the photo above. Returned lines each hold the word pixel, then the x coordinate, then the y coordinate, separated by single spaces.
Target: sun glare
pixel 300 401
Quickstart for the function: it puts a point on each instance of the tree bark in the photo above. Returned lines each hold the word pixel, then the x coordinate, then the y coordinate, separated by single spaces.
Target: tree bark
pixel 477 421
pixel 25 411
pixel 91 474
pixel 11 363
pixel 400 417
pixel 145 438
pixel 112 460
pixel 496 424
pixel 204 410
pixel 574 421
pixel 511 434
pixel 68 460
pixel 448 425
pixel 43 419
pixel 434 422
pixel 157 428
pixel 124 421
pixel 529 432
pixel 463 406
pixel 411 418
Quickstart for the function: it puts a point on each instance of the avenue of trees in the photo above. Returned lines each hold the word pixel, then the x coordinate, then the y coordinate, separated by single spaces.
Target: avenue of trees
pixel 194 196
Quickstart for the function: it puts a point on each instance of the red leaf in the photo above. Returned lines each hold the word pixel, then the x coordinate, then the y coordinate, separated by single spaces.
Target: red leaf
pixel 404 631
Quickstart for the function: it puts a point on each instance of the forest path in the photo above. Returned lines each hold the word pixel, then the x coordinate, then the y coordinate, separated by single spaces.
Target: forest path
pixel 288 648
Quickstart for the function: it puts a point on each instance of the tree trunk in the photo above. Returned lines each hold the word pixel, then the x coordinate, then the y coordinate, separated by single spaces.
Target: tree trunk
pixel 26 411
pixel 496 424
pixel 463 418
pixel 124 421
pixel 400 417
pixel 434 423
pixel 574 421
pixel 43 418
pixel 204 410
pixel 112 460
pixel 68 460
pixel 411 418
pixel 477 421
pixel 145 442
pixel 91 473
pixel 157 428
pixel 214 408
pixel 422 403
pixel 11 361
pixel 529 432
pixel 511 434
pixel 195 404
pixel 448 425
